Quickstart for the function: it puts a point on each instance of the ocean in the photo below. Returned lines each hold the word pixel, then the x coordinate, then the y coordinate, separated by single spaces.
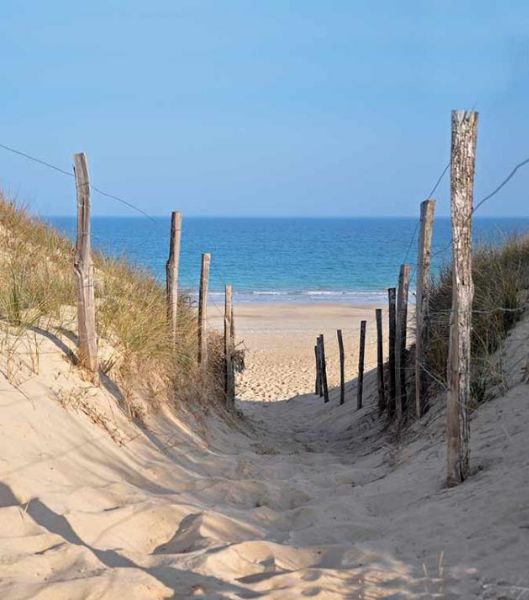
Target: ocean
pixel 352 260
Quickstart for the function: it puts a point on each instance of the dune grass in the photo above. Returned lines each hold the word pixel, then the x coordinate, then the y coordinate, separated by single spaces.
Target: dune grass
pixel 37 289
pixel 501 280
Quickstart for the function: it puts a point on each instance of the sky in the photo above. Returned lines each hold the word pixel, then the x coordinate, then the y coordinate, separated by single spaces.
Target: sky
pixel 261 107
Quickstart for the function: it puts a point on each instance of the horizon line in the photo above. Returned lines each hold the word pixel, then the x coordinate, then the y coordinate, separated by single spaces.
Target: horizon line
pixel 302 217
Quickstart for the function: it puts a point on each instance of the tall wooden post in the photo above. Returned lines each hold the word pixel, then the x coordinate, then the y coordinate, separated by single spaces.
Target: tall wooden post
pixel 400 340
pixel 317 387
pixel 392 314
pixel 380 363
pixel 203 309
pixel 342 366
pixel 464 133
pixel 422 306
pixel 323 369
pixel 361 358
pixel 229 384
pixel 84 270
pixel 171 273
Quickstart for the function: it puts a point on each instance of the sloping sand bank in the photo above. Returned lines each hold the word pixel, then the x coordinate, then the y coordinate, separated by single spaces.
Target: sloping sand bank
pixel 298 500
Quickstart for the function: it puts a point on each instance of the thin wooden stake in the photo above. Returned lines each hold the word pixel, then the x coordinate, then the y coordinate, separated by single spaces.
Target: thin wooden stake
pixel 464 133
pixel 392 326
pixel 203 309
pixel 84 270
pixel 323 367
pixel 171 273
pixel 229 347
pixel 317 385
pixel 342 366
pixel 422 306
pixel 400 340
pixel 380 363
pixel 361 357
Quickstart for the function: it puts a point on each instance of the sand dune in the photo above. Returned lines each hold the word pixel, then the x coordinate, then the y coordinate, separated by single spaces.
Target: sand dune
pixel 298 500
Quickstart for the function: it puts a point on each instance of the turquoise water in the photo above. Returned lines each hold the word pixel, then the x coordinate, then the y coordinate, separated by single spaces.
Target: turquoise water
pixel 286 259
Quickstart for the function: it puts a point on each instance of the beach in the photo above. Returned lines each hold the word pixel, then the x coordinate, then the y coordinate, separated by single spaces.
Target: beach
pixel 279 339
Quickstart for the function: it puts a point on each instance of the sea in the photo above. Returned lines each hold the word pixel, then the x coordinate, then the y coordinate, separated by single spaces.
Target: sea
pixel 286 260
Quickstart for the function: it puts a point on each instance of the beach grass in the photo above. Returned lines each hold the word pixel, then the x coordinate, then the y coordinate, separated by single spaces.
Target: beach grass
pixel 38 290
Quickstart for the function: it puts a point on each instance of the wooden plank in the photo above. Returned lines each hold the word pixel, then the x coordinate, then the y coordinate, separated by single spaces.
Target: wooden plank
pixel 84 271
pixel 203 309
pixel 392 326
pixel 463 156
pixel 323 367
pixel 380 363
pixel 171 274
pixel 400 340
pixel 422 304
pixel 342 365
pixel 229 347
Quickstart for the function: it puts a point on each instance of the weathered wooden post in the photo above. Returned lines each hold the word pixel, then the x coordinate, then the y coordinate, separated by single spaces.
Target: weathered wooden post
pixel 317 387
pixel 323 369
pixel 361 357
pixel 84 271
pixel 400 340
pixel 171 273
pixel 203 309
pixel 342 366
pixel 392 313
pixel 380 363
pixel 229 383
pixel 422 306
pixel 463 156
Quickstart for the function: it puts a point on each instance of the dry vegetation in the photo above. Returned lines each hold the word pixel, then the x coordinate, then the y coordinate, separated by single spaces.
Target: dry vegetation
pixel 37 292
pixel 501 281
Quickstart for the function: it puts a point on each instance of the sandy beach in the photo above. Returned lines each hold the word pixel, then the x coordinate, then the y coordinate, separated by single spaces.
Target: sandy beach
pixel 279 339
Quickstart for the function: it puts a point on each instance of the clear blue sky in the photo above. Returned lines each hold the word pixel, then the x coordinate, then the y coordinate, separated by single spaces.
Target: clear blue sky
pixel 262 107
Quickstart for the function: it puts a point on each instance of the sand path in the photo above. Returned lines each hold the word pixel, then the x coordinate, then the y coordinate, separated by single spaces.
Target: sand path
pixel 299 499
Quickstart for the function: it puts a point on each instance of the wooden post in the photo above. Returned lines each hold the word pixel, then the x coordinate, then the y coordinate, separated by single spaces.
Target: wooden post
pixel 342 366
pixel 422 305
pixel 171 273
pixel 84 270
pixel 380 363
pixel 203 309
pixel 400 340
pixel 361 357
pixel 317 387
pixel 464 133
pixel 323 368
pixel 392 312
pixel 229 383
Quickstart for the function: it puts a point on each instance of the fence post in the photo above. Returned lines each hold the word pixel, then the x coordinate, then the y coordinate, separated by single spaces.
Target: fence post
pixel 380 363
pixel 400 340
pixel 342 366
pixel 392 313
pixel 84 270
pixel 203 309
pixel 361 357
pixel 317 387
pixel 229 346
pixel 323 369
pixel 463 153
pixel 422 305
pixel 171 273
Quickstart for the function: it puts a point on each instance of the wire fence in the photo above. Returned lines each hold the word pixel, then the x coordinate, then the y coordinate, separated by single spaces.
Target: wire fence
pixel 220 278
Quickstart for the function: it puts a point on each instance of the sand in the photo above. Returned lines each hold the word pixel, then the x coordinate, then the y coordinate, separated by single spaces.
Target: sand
pixel 297 499
pixel 279 339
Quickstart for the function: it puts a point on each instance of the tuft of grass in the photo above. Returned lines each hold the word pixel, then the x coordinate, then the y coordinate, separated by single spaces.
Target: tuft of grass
pixel 38 289
pixel 501 281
